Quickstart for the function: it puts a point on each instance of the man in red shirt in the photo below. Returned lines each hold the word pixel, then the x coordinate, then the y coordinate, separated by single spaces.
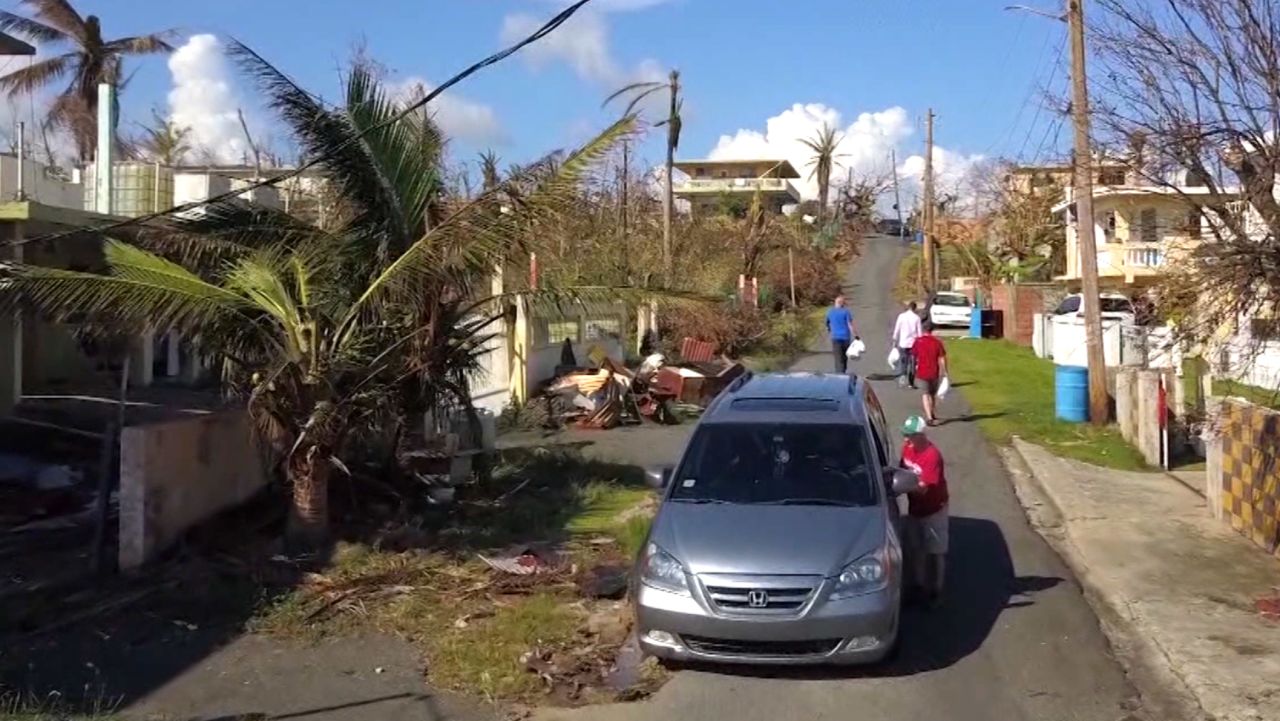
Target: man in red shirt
pixel 931 367
pixel 927 519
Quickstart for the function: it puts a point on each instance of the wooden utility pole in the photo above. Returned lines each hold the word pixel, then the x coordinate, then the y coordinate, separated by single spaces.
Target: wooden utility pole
pixel 897 195
pixel 668 205
pixel 931 276
pixel 1099 412
pixel 622 208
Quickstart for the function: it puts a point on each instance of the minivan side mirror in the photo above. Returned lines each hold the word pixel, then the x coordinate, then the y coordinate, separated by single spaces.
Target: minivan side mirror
pixel 658 477
pixel 901 480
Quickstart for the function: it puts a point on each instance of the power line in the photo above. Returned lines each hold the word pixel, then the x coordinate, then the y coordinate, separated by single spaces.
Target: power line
pixel 1031 89
pixel 550 26
pixel 1035 121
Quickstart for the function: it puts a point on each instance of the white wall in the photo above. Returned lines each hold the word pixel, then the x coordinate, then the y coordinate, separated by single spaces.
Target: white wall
pixel 38 187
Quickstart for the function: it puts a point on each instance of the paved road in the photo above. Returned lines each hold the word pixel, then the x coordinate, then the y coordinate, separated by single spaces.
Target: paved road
pixel 1015 641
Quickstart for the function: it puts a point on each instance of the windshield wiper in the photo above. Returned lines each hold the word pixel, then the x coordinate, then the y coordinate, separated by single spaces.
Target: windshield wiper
pixel 809 502
pixel 698 500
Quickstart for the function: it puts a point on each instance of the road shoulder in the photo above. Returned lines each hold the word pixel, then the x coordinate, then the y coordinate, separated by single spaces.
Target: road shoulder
pixel 1174 588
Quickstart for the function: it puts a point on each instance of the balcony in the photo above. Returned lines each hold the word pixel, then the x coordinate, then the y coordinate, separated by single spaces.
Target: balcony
pixel 716 186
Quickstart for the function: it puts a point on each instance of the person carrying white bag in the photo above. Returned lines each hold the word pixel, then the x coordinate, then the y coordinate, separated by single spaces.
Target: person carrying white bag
pixel 905 331
pixel 931 368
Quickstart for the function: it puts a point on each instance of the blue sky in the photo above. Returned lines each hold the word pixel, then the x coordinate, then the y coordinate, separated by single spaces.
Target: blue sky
pixel 743 62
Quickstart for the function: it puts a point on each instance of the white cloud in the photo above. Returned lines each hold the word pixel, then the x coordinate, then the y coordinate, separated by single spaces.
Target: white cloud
pixel 204 99
pixel 865 146
pixel 583 44
pixel 457 116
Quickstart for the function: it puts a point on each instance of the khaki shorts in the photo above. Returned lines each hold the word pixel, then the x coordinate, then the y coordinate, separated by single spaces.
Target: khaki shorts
pixel 930 533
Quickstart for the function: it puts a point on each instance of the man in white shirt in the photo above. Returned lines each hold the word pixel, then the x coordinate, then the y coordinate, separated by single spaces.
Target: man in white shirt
pixel 905 331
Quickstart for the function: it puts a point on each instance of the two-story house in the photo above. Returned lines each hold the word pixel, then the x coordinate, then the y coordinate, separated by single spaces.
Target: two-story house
pixel 710 184
pixel 1139 229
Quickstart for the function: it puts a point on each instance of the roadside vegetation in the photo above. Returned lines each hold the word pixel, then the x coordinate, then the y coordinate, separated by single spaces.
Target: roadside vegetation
pixel 551 635
pixel 1253 394
pixel 1011 392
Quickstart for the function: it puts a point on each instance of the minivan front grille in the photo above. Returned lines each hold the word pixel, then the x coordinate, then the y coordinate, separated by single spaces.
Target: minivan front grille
pixel 759 594
pixel 760 649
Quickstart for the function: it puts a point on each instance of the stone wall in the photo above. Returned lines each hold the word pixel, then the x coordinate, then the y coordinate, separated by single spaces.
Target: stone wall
pixel 175 474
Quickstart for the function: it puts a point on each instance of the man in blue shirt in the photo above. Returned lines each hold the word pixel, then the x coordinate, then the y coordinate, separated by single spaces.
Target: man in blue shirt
pixel 840 327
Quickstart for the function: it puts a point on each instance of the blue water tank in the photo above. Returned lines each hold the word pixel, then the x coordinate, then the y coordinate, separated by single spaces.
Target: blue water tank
pixel 1071 393
pixel 975 323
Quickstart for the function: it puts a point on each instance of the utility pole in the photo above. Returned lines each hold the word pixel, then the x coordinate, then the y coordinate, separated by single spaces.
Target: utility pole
pixel 622 207
pixel 1099 413
pixel 897 195
pixel 668 206
pixel 931 274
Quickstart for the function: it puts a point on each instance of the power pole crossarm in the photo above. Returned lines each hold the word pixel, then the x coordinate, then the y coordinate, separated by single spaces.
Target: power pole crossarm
pixel 1099 411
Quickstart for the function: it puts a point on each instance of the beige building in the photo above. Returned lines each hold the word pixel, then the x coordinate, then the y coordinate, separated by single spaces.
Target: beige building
pixel 710 184
pixel 1033 179
pixel 1138 230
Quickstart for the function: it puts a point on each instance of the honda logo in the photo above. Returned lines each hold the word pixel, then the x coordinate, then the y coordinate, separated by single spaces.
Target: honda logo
pixel 758 599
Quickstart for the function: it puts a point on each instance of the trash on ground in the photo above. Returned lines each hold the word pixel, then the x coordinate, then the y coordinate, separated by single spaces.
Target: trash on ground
pixel 524 560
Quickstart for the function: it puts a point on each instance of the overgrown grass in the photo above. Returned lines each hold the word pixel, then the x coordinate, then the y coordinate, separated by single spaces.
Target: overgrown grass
pixel 789 336
pixel 1012 393
pixel 1253 394
pixel 907 287
pixel 474 625
pixel 14 707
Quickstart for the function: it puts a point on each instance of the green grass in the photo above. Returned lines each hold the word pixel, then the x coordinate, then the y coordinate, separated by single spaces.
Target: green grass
pixel 1012 393
pixel 1253 394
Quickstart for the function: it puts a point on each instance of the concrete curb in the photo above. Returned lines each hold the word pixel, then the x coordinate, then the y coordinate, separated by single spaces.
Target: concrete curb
pixel 1165 694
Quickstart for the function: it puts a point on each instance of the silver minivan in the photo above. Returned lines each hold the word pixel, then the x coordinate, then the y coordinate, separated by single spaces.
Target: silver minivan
pixel 777 540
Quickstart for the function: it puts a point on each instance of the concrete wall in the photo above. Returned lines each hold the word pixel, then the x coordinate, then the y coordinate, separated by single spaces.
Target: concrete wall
pixel 1243 476
pixel 1137 394
pixel 175 474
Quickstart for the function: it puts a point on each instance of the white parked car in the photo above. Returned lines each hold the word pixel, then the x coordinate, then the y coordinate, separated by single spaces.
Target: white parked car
pixel 953 309
pixel 1113 306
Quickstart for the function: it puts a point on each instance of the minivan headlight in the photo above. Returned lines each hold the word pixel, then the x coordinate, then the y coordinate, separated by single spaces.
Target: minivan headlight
pixel 865 575
pixel 662 571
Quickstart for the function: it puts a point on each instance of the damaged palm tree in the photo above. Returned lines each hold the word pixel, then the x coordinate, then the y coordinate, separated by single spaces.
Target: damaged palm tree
pixel 325 329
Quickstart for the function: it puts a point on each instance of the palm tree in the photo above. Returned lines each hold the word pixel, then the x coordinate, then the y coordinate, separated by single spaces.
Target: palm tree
pixel 331 329
pixel 638 92
pixel 89 61
pixel 164 141
pixel 824 146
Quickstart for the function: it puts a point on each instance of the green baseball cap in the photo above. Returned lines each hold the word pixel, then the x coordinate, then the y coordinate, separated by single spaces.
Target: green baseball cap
pixel 913 425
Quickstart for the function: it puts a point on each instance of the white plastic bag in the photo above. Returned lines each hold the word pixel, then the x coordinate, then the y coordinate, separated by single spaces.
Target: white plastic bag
pixel 943 387
pixel 856 349
pixel 894 357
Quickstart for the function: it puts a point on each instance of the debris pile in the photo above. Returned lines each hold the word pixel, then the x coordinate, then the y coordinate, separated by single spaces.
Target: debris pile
pixel 611 394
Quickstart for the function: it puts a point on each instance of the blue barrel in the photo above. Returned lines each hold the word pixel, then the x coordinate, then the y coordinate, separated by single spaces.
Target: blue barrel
pixel 975 323
pixel 1071 393
pixel 918 237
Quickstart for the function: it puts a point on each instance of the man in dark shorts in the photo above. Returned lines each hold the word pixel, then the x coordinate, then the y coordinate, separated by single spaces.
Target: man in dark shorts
pixel 931 367
pixel 840 327
pixel 927 520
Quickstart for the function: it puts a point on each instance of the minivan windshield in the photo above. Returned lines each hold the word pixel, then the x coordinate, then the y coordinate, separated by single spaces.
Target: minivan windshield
pixel 747 463
pixel 955 301
pixel 1115 305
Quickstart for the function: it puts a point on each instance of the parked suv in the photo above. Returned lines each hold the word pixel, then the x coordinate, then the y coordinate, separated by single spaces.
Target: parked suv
pixel 777 540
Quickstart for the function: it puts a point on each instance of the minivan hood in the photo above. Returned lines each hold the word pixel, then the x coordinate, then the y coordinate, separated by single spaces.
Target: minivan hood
pixel 767 540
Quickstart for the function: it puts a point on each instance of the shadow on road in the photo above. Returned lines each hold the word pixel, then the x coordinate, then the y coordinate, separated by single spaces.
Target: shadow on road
pixel 981 585
pixel 970 418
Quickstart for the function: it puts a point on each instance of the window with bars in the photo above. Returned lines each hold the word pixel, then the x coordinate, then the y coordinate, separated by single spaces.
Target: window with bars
pixel 601 328
pixel 549 331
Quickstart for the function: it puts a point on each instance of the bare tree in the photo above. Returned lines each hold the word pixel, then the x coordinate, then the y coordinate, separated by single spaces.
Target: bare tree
pixel 1192 88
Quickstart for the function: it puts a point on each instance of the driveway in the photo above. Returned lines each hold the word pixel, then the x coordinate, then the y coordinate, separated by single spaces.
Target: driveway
pixel 1016 639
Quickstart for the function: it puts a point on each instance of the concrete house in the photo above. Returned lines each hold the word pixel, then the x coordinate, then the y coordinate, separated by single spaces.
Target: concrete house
pixel 709 183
